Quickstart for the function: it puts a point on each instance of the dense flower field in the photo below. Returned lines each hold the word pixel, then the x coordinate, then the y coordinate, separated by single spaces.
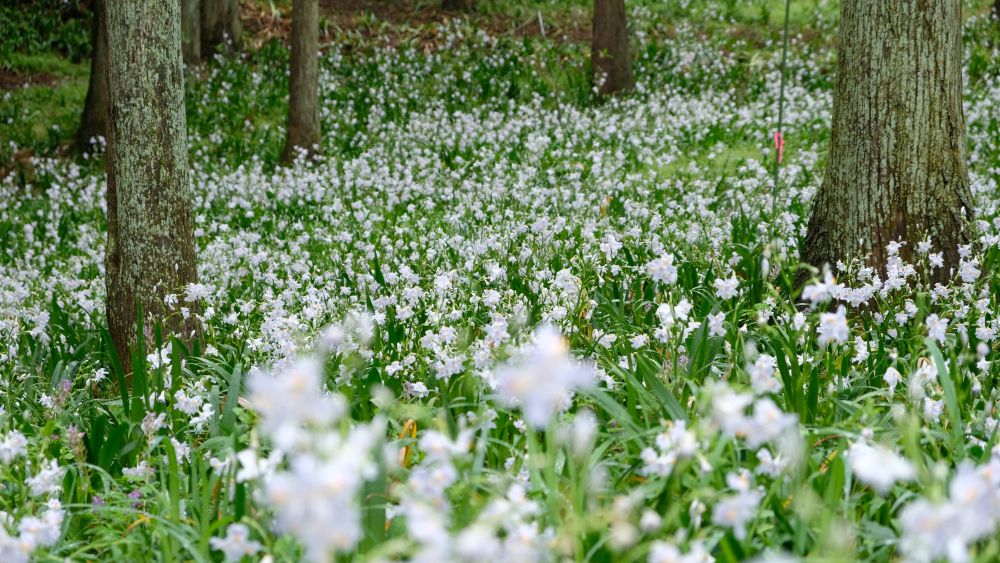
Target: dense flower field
pixel 501 321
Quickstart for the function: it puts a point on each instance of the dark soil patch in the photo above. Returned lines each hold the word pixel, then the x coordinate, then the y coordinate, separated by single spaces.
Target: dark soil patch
pixel 396 22
pixel 11 80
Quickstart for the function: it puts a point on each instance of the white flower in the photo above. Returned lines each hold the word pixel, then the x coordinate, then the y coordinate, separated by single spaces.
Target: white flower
pixel 415 389
pixel 13 445
pixel 542 377
pixel 663 552
pixel 716 324
pixel 152 423
pixel 293 397
pixel 833 327
pixel 186 404
pixel 582 433
pixel 878 466
pixel 44 531
pixel 236 544
pixel 936 328
pixel 48 480
pixel 933 409
pixel 196 292
pixel 650 521
pixel 663 270
pixel 735 511
pixel 253 467
pixel 726 289
pixel 892 378
pixel 768 423
pixel 142 471
pixel 439 447
pixel 799 320
pixel 769 465
pixel 316 498
pixel 945 530
pixel 821 292
pixel 762 375
pixel 968 271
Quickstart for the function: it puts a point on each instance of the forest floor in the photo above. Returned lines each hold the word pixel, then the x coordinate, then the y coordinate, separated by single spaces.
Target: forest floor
pixel 497 318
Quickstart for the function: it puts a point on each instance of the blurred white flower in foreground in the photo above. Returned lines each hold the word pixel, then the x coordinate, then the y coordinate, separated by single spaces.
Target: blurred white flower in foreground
pixel 663 552
pixel 833 327
pixel 767 423
pixel 289 399
pixel 316 497
pixel 736 510
pixel 542 376
pixel 878 466
pixel 944 530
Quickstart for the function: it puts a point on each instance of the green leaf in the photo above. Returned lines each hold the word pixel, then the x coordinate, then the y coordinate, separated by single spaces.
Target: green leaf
pixel 650 372
pixel 229 410
pixel 950 394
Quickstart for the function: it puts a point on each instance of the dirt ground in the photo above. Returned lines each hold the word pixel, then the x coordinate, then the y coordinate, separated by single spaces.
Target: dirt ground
pixel 397 21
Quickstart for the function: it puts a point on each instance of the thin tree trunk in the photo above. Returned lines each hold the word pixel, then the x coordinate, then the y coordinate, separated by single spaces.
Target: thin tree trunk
pixel 150 250
pixel 897 164
pixel 609 56
pixel 220 24
pixel 191 31
pixel 94 122
pixel 996 10
pixel 303 84
pixel 458 5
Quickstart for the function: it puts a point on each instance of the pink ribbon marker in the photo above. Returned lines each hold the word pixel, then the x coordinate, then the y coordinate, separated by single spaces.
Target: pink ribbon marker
pixel 779 145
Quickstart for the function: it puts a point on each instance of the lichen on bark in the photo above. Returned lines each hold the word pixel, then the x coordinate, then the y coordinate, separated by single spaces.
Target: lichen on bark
pixel 150 251
pixel 896 169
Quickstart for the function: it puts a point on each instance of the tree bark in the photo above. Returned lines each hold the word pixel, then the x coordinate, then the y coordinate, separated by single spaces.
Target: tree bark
pixel 220 24
pixel 150 250
pixel 996 10
pixel 303 84
pixel 191 31
pixel 609 58
pixel 458 5
pixel 94 121
pixel 897 164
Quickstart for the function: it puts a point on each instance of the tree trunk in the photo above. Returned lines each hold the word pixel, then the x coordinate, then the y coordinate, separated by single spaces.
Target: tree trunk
pixel 94 122
pixel 220 24
pixel 303 84
pixel 609 57
pixel 458 5
pixel 150 250
pixel 191 31
pixel 897 164
pixel 996 10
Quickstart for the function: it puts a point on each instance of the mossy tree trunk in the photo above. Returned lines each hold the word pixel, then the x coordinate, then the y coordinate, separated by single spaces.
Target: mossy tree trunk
pixel 191 31
pixel 303 84
pixel 94 121
pixel 220 24
pixel 150 250
pixel 609 58
pixel 896 169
